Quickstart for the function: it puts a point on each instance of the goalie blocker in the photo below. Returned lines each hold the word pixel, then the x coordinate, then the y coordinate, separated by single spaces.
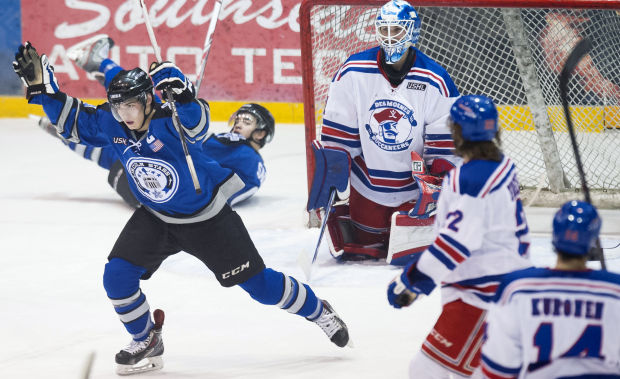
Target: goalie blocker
pixel 411 228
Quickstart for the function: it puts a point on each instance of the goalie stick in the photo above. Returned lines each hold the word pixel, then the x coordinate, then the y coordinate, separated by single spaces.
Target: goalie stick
pixel 580 50
pixel 208 41
pixel 170 100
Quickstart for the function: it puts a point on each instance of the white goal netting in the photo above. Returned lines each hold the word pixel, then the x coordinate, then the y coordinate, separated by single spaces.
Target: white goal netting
pixel 513 55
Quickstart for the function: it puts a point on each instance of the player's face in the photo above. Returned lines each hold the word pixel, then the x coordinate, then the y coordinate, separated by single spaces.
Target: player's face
pixel 131 112
pixel 244 124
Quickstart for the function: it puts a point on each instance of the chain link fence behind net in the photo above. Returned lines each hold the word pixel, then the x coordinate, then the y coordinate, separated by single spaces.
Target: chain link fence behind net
pixel 475 48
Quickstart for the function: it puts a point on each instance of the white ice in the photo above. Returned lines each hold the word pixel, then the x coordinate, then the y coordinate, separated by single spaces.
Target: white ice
pixel 59 219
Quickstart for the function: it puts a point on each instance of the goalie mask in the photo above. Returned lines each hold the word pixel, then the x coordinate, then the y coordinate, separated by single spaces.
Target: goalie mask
pixel 126 86
pixel 575 228
pixel 477 116
pixel 397 28
pixel 264 120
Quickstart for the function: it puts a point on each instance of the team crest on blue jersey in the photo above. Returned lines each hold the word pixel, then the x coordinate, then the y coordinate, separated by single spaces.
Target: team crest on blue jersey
pixel 156 179
pixel 391 125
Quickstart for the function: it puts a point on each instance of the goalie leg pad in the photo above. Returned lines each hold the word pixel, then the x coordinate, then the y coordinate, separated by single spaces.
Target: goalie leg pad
pixel 409 237
pixel 339 229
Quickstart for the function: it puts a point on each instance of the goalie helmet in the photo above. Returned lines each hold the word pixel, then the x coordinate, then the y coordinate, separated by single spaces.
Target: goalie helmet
pixel 128 85
pixel 264 120
pixel 575 228
pixel 477 116
pixel 397 28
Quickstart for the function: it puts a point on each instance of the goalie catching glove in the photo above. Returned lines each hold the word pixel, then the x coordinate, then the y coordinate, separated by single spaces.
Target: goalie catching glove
pixel 168 77
pixel 35 71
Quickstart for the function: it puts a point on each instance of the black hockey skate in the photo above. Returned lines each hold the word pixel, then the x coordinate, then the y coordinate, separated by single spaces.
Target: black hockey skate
pixel 333 326
pixel 143 356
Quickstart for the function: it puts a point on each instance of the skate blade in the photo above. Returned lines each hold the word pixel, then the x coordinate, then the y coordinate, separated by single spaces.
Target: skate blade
pixel 151 364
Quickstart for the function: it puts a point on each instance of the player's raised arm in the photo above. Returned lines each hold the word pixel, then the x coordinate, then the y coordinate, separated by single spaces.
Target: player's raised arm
pixel 193 113
pixel 66 113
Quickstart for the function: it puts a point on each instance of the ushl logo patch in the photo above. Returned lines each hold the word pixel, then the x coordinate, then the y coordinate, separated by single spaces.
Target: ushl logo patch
pixel 416 86
pixel 391 125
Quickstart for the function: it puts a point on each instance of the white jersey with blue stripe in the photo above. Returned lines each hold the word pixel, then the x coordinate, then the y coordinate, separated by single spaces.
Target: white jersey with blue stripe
pixel 481 231
pixel 550 323
pixel 380 125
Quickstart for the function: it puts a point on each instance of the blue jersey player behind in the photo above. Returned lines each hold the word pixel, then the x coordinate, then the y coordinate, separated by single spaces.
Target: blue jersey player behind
pixel 252 126
pixel 174 216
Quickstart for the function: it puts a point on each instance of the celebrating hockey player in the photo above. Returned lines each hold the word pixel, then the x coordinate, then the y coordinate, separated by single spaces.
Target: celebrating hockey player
pixel 173 216
pixel 384 104
pixel 252 126
pixel 559 322
pixel 481 235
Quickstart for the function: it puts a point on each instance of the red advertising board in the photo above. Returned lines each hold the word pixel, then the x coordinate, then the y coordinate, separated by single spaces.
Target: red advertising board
pixel 255 53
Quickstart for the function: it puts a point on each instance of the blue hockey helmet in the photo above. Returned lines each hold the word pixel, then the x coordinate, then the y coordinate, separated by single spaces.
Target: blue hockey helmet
pixel 575 228
pixel 397 27
pixel 477 116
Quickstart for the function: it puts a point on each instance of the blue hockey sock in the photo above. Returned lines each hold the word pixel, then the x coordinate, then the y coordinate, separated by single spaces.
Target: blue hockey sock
pixel 121 281
pixel 274 288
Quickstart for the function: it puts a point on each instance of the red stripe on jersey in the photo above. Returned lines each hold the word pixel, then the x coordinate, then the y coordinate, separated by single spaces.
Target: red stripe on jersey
pixel 355 63
pixel 382 182
pixel 445 144
pixel 435 77
pixel 328 131
pixel 492 183
pixel 449 249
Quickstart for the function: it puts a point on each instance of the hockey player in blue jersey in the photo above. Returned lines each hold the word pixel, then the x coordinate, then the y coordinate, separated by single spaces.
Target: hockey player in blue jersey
pixel 480 234
pixel 174 216
pixel 384 105
pixel 252 126
pixel 559 322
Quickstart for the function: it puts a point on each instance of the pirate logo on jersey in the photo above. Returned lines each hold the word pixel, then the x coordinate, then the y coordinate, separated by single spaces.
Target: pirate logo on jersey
pixel 391 125
pixel 156 180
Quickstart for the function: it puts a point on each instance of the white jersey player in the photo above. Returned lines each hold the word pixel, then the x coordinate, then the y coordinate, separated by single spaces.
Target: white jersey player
pixel 560 322
pixel 481 234
pixel 383 104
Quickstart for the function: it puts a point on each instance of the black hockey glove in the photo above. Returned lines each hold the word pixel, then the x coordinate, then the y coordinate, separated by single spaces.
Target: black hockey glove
pixel 35 71
pixel 168 77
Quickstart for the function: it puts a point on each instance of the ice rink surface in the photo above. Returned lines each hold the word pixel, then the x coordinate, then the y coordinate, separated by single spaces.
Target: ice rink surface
pixel 59 219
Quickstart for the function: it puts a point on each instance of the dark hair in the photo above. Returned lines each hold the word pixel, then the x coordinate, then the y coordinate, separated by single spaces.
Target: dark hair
pixel 486 150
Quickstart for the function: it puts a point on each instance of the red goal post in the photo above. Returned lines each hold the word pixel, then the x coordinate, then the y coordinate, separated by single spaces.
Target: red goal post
pixel 511 51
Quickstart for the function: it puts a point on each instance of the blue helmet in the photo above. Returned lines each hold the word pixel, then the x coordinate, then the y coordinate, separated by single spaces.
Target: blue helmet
pixel 575 228
pixel 477 116
pixel 397 27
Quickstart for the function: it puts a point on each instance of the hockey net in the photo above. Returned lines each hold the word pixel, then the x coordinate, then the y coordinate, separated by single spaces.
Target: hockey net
pixel 512 51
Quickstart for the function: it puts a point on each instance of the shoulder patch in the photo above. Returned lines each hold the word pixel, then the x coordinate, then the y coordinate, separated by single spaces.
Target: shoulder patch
pixel 416 86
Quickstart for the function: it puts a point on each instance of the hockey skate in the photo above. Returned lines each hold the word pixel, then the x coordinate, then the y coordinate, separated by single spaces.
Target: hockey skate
pixel 89 54
pixel 333 326
pixel 143 356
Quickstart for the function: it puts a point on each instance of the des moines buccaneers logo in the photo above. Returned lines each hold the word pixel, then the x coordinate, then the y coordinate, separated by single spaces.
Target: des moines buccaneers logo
pixel 391 125
pixel 157 180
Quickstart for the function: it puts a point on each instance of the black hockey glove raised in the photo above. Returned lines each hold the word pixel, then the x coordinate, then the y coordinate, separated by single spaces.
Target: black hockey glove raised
pixel 168 77
pixel 35 71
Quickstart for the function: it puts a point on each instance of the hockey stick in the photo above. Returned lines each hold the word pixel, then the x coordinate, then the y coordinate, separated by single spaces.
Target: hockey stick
pixel 307 268
pixel 579 51
pixel 208 40
pixel 170 100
